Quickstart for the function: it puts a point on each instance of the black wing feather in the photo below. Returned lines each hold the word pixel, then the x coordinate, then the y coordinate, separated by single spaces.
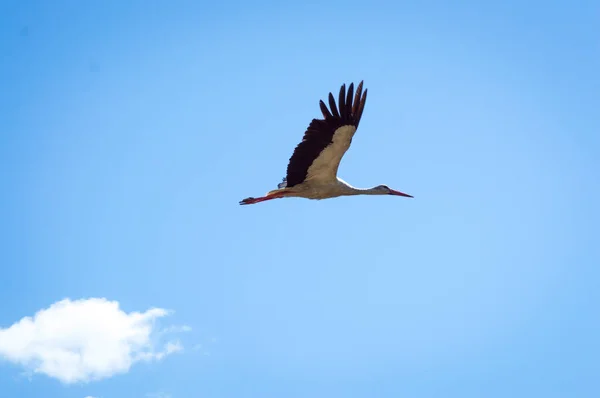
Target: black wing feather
pixel 342 102
pixel 334 110
pixel 324 110
pixel 349 99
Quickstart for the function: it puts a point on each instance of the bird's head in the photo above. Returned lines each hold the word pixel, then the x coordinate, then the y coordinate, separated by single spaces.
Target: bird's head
pixel 385 190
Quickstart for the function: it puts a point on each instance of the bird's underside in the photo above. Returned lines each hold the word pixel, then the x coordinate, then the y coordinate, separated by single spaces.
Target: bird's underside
pixel 315 192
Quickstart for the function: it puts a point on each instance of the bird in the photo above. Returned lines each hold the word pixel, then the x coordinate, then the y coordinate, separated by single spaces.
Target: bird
pixel 313 166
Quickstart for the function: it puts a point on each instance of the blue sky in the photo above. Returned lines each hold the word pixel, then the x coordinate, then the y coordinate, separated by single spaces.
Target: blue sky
pixel 130 131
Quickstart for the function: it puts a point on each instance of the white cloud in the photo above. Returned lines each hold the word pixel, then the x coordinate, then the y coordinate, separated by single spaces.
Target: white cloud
pixel 84 340
pixel 89 396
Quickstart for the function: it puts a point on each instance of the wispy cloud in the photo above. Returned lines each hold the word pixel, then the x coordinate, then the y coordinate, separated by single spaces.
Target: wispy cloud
pixel 84 340
pixel 170 348
pixel 176 329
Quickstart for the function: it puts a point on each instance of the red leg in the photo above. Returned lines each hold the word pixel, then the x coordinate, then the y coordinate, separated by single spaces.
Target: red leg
pixel 251 201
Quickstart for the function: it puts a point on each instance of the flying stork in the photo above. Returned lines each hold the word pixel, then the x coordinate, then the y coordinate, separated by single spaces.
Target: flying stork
pixel 312 169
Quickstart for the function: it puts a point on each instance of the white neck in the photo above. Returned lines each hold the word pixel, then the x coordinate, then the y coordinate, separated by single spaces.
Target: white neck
pixel 348 189
pixel 363 191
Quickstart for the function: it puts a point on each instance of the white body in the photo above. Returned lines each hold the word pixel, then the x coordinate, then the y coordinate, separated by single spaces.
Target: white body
pixel 321 190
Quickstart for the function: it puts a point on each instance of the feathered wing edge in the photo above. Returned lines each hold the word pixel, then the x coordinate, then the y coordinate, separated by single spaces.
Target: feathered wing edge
pixel 350 112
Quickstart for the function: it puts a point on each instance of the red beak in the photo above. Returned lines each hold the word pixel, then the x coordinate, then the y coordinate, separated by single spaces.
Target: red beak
pixel 398 193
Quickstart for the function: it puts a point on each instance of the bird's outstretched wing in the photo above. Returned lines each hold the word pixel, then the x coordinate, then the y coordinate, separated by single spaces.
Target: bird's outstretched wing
pixel 326 140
